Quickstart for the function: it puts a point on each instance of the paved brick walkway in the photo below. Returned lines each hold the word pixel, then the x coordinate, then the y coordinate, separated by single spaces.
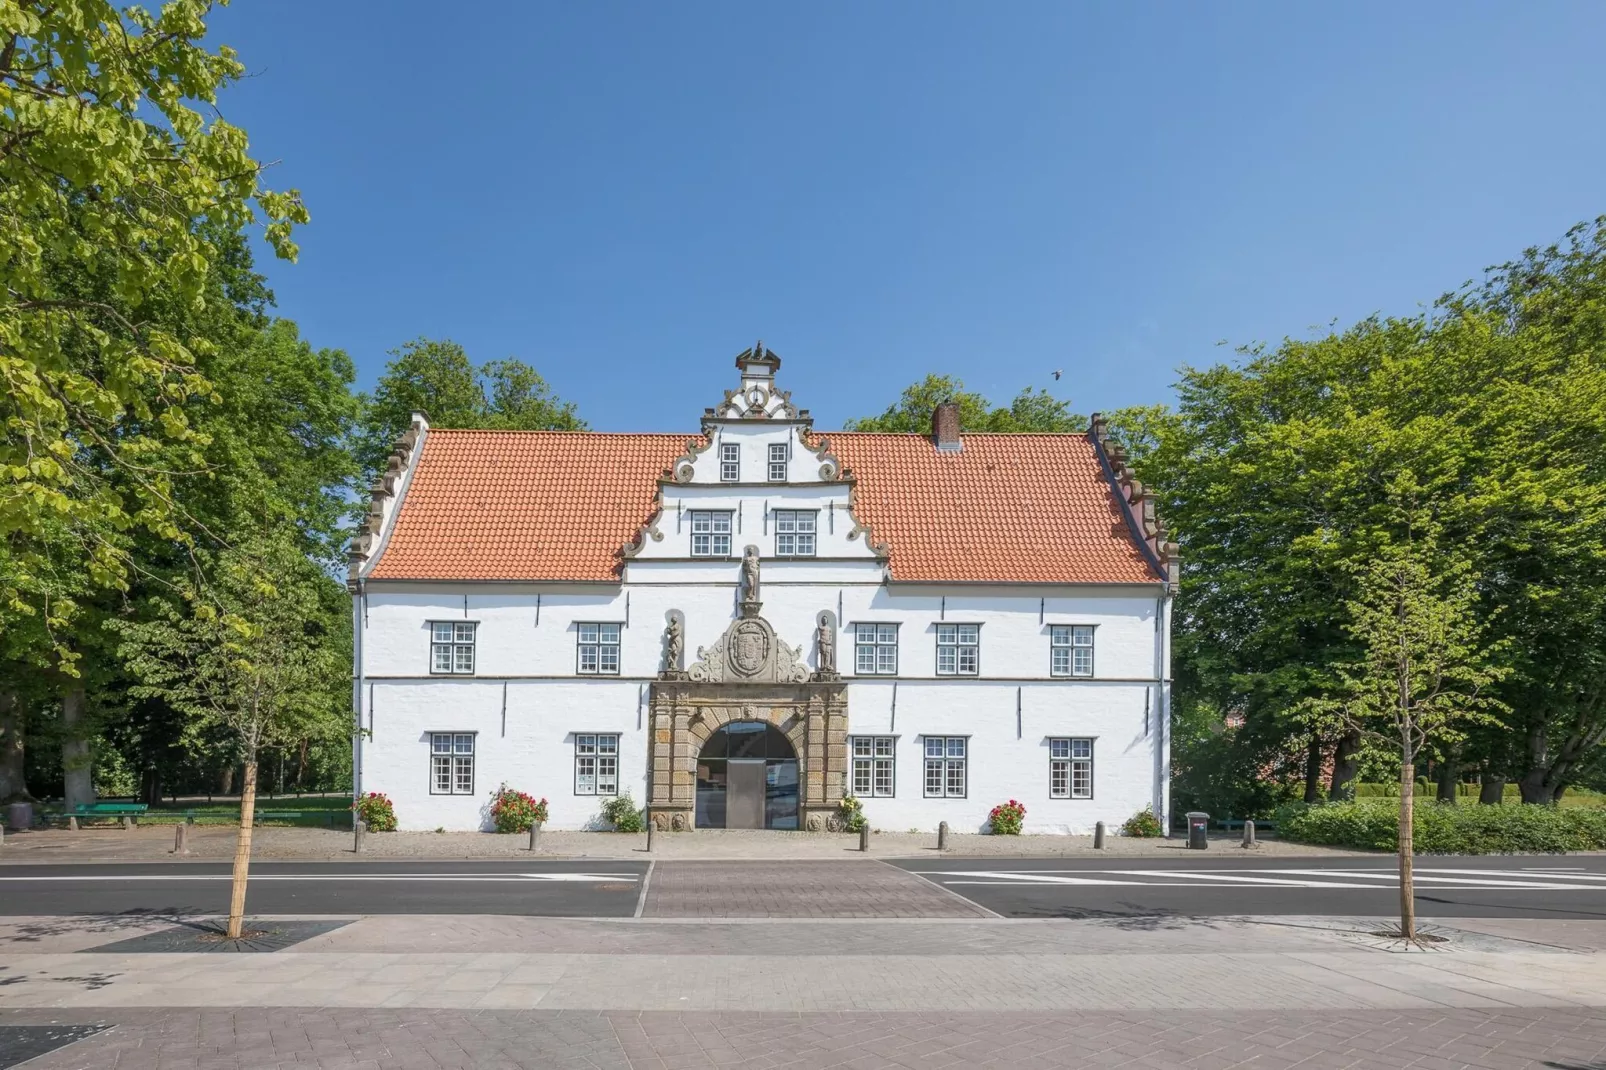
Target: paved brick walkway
pixel 1553 1039
pixel 798 890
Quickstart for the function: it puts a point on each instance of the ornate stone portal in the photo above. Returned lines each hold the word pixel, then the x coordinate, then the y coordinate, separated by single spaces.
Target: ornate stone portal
pixel 749 674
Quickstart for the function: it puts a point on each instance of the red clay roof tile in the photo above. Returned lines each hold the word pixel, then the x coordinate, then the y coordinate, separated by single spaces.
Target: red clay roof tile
pixel 559 505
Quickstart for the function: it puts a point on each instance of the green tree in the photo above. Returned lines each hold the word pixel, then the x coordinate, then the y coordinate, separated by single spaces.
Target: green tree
pixel 1424 668
pixel 106 159
pixel 252 655
pixel 1031 411
pixel 436 377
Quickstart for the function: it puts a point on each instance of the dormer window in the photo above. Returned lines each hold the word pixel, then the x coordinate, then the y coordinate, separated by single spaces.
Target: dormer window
pixel 730 463
pixel 778 462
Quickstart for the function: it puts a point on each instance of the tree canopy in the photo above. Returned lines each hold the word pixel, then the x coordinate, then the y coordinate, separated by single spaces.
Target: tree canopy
pixel 1032 410
pixel 437 378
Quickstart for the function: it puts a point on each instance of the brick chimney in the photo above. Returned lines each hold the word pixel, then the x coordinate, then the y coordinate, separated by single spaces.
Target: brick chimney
pixel 945 426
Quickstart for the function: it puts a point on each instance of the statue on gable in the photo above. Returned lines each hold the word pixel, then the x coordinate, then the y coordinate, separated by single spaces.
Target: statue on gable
pixel 750 589
pixel 825 649
pixel 674 645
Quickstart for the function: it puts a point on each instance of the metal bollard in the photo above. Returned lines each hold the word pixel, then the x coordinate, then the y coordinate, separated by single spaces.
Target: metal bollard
pixel 1249 834
pixel 864 836
pixel 1098 836
pixel 535 835
pixel 650 826
pixel 942 836
pixel 359 829
pixel 180 836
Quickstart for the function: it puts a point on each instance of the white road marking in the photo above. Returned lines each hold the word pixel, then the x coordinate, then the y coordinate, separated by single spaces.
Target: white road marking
pixel 1356 879
pixel 587 878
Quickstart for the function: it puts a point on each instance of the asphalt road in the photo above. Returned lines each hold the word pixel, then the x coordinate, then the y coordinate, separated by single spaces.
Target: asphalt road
pixel 1215 883
pixel 607 889
pixel 1204 884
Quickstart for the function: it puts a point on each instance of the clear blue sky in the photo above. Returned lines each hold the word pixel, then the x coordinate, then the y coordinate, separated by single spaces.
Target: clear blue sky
pixel 626 195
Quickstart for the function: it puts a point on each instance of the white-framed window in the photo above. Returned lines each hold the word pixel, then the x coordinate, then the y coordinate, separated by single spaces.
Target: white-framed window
pixel 945 767
pixel 451 647
pixel 872 766
pixel 778 458
pixel 710 533
pixel 876 649
pixel 598 651
pixel 730 463
pixel 1070 768
pixel 958 649
pixel 451 763
pixel 596 764
pixel 794 532
pixel 1071 650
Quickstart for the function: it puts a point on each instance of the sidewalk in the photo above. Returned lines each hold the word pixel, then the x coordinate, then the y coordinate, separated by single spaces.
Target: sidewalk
pixel 155 843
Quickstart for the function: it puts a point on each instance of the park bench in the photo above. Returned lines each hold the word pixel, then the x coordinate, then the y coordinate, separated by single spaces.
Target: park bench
pixel 129 812
pixel 1236 824
pixel 328 817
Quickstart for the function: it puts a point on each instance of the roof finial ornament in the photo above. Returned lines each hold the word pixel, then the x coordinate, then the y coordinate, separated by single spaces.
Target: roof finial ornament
pixel 758 348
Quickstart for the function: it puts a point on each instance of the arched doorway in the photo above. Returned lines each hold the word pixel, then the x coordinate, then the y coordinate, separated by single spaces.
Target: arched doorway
pixel 747 777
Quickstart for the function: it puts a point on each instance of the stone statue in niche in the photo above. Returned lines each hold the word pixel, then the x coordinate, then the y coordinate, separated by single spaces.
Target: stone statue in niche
pixel 674 644
pixel 825 647
pixel 750 589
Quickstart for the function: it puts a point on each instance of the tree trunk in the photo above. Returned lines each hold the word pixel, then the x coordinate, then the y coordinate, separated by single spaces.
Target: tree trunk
pixel 301 764
pixel 1492 790
pixel 1449 778
pixel 76 772
pixel 242 849
pixel 1313 770
pixel 150 786
pixel 13 772
pixel 1346 764
pixel 225 780
pixel 1407 846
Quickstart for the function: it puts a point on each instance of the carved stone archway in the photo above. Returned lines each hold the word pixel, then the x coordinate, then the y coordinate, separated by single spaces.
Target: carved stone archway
pixel 748 675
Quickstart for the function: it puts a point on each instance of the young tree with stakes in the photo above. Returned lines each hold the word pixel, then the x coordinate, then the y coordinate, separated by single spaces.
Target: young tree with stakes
pixel 1422 672
pixel 249 653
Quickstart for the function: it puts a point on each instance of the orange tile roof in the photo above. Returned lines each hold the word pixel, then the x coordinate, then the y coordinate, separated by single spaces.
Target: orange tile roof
pixel 559 505
pixel 1006 508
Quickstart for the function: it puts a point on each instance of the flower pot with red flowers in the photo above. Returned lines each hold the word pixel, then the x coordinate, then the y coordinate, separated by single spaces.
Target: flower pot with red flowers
pixel 1007 818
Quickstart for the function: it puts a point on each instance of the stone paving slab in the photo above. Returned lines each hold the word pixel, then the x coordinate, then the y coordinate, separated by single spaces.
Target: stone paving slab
pixel 334 1039
pixel 155 843
pixel 797 890
pixel 879 979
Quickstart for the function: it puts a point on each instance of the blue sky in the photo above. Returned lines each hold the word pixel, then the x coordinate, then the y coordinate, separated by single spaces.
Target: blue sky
pixel 626 195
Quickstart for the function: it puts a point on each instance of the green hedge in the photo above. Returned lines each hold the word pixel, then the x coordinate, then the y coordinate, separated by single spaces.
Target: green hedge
pixel 1471 830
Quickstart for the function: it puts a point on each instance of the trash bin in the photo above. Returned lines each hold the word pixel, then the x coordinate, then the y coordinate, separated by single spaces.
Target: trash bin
pixel 1198 830
pixel 19 815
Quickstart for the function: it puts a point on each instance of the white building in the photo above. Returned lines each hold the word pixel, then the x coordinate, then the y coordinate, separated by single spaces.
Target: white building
pixel 934 624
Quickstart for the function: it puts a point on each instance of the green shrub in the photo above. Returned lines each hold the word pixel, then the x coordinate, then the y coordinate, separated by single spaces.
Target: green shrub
pixel 1472 830
pixel 850 811
pixel 623 814
pixel 1007 818
pixel 1142 824
pixel 375 811
pixel 514 811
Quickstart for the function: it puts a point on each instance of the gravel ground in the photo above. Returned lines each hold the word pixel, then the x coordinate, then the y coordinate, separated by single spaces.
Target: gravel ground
pixel 151 843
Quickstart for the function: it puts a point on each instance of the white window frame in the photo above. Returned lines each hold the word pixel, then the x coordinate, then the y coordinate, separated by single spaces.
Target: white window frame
pixel 949 758
pixel 873 770
pixel 730 462
pixel 451 763
pixel 455 641
pixel 958 649
pixel 1070 767
pixel 790 538
pixel 596 763
pixel 881 646
pixel 715 533
pixel 596 648
pixel 780 454
pixel 1070 650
